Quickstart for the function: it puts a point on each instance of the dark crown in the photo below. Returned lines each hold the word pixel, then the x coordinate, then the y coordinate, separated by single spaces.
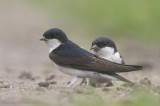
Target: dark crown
pixel 104 42
pixel 55 33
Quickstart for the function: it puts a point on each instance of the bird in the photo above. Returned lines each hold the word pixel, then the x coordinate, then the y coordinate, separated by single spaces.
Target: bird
pixel 105 47
pixel 77 62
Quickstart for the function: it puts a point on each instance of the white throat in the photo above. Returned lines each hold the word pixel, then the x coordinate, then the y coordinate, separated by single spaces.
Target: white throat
pixel 106 51
pixel 53 44
pixel 109 54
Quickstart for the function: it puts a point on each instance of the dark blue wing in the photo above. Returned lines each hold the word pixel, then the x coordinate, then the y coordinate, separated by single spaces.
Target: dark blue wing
pixel 70 49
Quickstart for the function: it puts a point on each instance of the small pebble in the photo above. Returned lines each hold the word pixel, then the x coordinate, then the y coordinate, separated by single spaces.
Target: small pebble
pixel 145 81
pixel 4 86
pixel 68 82
pixel 53 82
pixel 44 84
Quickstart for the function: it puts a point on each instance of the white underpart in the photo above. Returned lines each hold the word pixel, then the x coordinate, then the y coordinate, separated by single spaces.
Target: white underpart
pixel 83 73
pixel 108 54
pixel 53 44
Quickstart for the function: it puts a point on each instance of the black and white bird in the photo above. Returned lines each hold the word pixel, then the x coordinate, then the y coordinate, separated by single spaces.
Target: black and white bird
pixel 73 60
pixel 105 48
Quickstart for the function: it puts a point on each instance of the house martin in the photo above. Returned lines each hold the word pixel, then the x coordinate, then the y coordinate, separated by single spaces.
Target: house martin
pixel 105 48
pixel 73 60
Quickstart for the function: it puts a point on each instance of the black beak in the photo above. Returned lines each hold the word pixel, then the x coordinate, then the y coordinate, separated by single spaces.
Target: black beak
pixel 43 39
pixel 94 47
pixel 91 48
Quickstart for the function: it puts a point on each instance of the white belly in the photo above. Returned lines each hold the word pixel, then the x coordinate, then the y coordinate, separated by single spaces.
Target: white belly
pixel 83 73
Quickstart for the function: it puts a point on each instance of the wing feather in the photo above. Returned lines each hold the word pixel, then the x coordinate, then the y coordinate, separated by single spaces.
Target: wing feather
pixel 92 63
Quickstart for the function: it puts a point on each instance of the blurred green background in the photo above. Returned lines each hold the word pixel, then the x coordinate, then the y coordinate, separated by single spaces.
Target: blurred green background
pixel 125 19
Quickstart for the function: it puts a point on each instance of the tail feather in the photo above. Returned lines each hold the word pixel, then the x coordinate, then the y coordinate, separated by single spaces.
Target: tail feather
pixel 106 77
pixel 121 78
pixel 128 68
pixel 138 67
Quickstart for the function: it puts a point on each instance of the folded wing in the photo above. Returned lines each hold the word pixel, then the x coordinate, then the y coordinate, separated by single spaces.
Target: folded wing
pixel 92 63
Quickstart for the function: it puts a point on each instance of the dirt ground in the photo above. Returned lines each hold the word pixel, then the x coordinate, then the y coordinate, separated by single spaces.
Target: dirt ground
pixel 24 61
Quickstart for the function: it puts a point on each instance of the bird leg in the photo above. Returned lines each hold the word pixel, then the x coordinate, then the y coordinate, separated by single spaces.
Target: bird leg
pixel 74 79
pixel 83 81
pixel 88 81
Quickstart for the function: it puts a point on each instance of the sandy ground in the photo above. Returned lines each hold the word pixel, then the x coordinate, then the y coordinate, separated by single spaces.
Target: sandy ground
pixel 24 59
